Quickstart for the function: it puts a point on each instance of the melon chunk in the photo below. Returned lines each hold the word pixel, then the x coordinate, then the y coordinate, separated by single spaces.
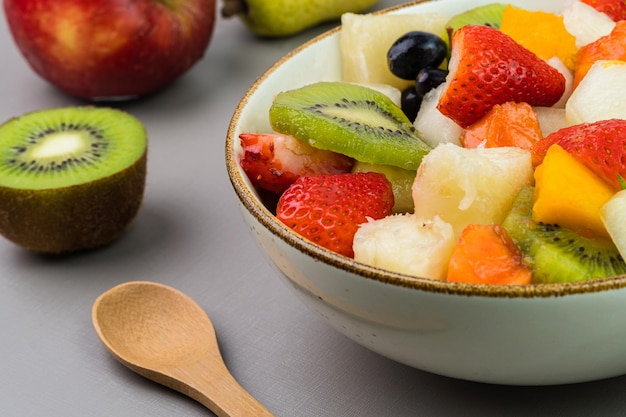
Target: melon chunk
pixel 600 94
pixel 613 215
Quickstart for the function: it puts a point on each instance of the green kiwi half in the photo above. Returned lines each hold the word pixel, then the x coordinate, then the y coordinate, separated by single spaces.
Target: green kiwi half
pixel 349 119
pixel 558 254
pixel 70 178
pixel 487 15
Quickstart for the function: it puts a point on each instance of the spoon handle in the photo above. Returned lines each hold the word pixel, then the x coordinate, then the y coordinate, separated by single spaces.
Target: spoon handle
pixel 211 384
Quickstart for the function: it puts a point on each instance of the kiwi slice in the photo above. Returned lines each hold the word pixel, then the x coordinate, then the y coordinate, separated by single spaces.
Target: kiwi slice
pixel 401 183
pixel 558 254
pixel 487 15
pixel 350 119
pixel 70 178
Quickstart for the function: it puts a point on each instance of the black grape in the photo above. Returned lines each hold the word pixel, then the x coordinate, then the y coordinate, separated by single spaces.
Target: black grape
pixel 414 51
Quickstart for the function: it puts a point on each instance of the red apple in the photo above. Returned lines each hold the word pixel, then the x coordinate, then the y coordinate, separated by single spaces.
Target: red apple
pixel 111 49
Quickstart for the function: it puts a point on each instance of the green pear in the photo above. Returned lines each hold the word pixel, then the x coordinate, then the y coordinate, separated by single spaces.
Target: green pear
pixel 281 18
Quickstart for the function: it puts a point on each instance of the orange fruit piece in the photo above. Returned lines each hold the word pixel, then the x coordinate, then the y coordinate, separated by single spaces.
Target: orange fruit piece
pixel 486 254
pixel 540 32
pixel 569 194
pixel 508 124
pixel 609 47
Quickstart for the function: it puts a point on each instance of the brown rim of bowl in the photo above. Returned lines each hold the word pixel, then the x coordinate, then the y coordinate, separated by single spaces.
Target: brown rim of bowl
pixel 252 203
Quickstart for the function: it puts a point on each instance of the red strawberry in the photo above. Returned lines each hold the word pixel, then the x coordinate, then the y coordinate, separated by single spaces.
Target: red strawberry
pixel 487 67
pixel 327 209
pixel 273 161
pixel 615 9
pixel 600 145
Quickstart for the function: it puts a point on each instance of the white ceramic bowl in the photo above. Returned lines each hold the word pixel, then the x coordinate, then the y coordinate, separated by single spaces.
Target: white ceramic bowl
pixel 531 335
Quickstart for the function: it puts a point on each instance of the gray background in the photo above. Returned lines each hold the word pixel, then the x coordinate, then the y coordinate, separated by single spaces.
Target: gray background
pixel 189 235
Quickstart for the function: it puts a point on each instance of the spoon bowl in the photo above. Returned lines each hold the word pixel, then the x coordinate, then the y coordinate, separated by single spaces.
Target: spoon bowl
pixel 163 335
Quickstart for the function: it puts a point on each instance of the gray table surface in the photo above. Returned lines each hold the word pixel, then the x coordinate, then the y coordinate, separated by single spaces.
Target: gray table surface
pixel 190 235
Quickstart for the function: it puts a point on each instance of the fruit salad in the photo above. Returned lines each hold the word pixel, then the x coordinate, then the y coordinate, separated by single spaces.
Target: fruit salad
pixel 470 148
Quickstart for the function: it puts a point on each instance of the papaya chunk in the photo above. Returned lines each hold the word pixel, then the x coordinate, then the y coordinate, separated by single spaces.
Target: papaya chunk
pixel 508 124
pixel 486 254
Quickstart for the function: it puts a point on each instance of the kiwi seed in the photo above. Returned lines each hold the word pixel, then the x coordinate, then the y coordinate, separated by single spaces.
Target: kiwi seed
pixel 558 254
pixel 350 119
pixel 71 178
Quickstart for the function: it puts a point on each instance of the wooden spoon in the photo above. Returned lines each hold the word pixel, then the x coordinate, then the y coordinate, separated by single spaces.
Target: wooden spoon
pixel 162 334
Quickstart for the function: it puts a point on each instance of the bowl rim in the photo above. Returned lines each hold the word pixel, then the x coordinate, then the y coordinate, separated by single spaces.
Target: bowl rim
pixel 254 206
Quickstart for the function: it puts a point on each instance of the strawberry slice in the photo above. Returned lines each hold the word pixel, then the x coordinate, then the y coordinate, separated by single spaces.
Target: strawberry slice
pixel 600 145
pixel 487 67
pixel 615 9
pixel 328 209
pixel 274 161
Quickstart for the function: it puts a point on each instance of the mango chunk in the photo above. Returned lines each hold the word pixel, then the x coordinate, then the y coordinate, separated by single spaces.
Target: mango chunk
pixel 569 194
pixel 543 33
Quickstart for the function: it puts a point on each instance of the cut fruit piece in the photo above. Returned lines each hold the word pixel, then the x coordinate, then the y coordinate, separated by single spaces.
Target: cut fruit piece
pixel 609 47
pixel 600 145
pixel 586 23
pixel 486 254
pixel 615 9
pixel 487 15
pixel 390 91
pixel 569 194
pixel 405 244
pixel 600 94
pixel 508 124
pixel 568 75
pixel 328 209
pixel 487 67
pixel 433 127
pixel 613 215
pixel 72 178
pixel 558 254
pixel 351 120
pixel 529 29
pixel 365 39
pixel 401 181
pixel 466 186
pixel 274 161
pixel 415 51
pixel 550 119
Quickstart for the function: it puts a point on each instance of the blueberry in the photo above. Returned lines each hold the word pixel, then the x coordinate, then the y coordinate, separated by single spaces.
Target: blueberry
pixel 428 79
pixel 413 51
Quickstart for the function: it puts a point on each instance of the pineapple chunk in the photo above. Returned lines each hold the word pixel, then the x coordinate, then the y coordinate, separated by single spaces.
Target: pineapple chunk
pixel 365 39
pixel 433 127
pixel 586 23
pixel 569 194
pixel 600 94
pixel 464 186
pixel 405 244
pixel 568 74
pixel 613 215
